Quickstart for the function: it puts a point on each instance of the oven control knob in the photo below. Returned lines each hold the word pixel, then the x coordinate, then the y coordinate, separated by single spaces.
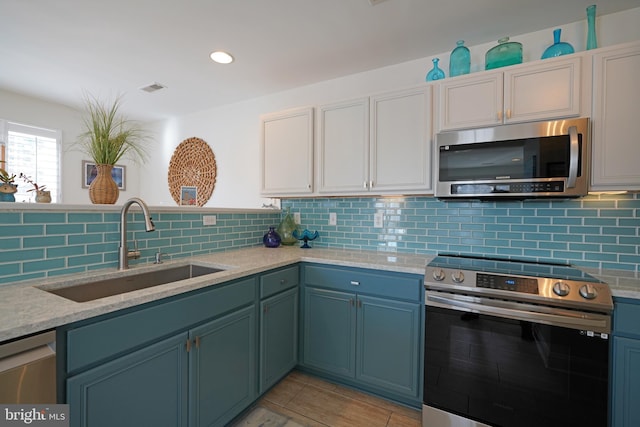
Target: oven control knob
pixel 588 291
pixel 458 277
pixel 438 275
pixel 561 289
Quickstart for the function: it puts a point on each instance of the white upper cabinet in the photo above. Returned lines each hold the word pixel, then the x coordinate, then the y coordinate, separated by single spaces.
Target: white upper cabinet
pixel 615 141
pixel 401 142
pixel 377 145
pixel 543 90
pixel 287 153
pixel 343 147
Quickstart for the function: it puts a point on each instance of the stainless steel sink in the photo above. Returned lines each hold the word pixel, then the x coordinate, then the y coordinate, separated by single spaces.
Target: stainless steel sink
pixel 119 285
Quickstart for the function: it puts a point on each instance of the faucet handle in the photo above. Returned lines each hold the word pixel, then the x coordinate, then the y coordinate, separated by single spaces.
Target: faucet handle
pixel 135 253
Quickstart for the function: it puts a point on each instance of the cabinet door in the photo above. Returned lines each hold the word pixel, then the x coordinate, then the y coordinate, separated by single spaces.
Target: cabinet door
pixel 547 90
pixel 471 101
pixel 343 147
pixel 625 390
pixel 401 142
pixel 615 144
pixel 278 337
pixel 389 344
pixel 330 331
pixel 222 370
pixel 287 153
pixel 144 388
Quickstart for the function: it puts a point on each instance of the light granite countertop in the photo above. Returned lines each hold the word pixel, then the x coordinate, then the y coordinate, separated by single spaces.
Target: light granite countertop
pixel 26 309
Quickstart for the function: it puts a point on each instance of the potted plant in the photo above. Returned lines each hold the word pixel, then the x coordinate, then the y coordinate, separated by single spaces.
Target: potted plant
pixel 7 186
pixel 107 138
pixel 42 195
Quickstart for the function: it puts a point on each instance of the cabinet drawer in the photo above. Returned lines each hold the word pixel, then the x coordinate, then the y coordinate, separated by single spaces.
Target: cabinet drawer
pixel 272 283
pixel 626 319
pixel 98 341
pixel 389 284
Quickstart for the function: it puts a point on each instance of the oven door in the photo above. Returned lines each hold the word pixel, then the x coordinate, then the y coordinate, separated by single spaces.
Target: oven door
pixel 501 370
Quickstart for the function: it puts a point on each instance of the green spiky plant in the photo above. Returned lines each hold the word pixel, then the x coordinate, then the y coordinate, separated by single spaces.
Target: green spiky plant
pixel 108 136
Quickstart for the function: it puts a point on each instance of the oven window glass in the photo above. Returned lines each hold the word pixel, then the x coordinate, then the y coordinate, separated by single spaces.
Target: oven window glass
pixel 545 157
pixel 509 373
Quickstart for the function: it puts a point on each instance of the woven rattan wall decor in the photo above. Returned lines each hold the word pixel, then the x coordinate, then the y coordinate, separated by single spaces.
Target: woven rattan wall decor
pixel 192 164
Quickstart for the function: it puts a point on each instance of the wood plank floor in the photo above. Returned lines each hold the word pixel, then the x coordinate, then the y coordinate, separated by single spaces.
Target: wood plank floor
pixel 304 400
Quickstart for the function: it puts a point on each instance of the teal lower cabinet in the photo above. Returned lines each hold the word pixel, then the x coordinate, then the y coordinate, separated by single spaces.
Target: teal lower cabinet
pixel 222 368
pixel 279 337
pixel 145 388
pixel 190 361
pixel 365 327
pixel 625 372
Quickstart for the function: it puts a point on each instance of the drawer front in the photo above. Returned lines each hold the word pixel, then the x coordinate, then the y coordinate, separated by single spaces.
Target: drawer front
pixel 272 283
pixel 374 282
pixel 98 341
pixel 626 319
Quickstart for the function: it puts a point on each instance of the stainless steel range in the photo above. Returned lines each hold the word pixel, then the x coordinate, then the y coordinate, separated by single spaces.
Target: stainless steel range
pixel 512 343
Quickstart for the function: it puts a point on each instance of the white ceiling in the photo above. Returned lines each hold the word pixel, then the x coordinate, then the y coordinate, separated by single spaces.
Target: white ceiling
pixel 60 49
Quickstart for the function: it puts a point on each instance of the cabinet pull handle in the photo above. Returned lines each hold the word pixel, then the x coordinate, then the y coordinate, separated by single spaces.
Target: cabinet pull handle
pixel 309 186
pixel 188 345
pixel 266 309
pixel 499 115
pixel 355 283
pixel 351 301
pixel 359 303
pixel 509 113
pixel 197 342
pixel 370 184
pixel 364 185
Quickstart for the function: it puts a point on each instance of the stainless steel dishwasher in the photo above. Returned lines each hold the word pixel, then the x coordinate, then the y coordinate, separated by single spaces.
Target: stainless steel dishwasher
pixel 28 370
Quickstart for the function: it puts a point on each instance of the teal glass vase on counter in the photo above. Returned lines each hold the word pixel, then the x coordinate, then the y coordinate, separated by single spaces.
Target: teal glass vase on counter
pixel 558 48
pixel 505 53
pixel 436 73
pixel 460 60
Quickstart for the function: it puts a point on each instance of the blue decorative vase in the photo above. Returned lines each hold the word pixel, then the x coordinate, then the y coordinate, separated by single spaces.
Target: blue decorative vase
pixel 436 73
pixel 505 53
pixel 592 41
pixel 558 48
pixel 271 239
pixel 460 60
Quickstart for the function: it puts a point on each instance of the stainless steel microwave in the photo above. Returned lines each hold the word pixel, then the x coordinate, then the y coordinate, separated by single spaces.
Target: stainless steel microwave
pixel 518 161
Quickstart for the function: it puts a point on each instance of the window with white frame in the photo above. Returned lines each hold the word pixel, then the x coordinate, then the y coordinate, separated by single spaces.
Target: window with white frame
pixel 34 152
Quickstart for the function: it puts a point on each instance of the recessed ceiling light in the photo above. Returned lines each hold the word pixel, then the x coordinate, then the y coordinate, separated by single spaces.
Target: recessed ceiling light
pixel 221 57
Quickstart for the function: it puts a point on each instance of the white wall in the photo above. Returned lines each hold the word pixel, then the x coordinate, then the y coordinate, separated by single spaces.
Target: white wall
pixel 233 131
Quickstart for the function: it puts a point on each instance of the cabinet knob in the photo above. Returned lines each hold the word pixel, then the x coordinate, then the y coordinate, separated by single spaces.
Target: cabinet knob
pixel 283 281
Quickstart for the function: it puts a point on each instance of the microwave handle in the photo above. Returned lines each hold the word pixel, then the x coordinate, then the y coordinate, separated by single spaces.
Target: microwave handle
pixel 574 154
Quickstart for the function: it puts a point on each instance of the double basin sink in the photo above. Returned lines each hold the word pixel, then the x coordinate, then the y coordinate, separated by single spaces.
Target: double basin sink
pixel 92 290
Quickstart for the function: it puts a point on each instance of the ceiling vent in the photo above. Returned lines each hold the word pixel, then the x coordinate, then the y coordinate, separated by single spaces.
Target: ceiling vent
pixel 153 87
pixel 375 2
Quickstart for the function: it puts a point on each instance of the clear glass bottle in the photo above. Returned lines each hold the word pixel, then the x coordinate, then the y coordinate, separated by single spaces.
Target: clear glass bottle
pixel 505 53
pixel 460 60
pixel 436 73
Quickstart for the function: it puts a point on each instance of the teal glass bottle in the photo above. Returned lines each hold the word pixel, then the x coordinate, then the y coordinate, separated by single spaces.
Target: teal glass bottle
pixel 592 41
pixel 436 73
pixel 460 60
pixel 558 48
pixel 505 53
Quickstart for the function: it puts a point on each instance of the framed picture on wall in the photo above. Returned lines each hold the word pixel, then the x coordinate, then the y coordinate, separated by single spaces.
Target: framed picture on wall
pixel 188 196
pixel 89 173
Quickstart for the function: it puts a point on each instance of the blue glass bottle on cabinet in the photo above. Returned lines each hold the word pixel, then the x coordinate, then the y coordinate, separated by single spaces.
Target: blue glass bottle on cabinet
pixel 558 48
pixel 505 53
pixel 436 73
pixel 460 60
pixel 592 42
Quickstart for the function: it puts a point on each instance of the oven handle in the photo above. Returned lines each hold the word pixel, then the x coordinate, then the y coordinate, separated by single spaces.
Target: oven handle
pixel 581 321
pixel 574 152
